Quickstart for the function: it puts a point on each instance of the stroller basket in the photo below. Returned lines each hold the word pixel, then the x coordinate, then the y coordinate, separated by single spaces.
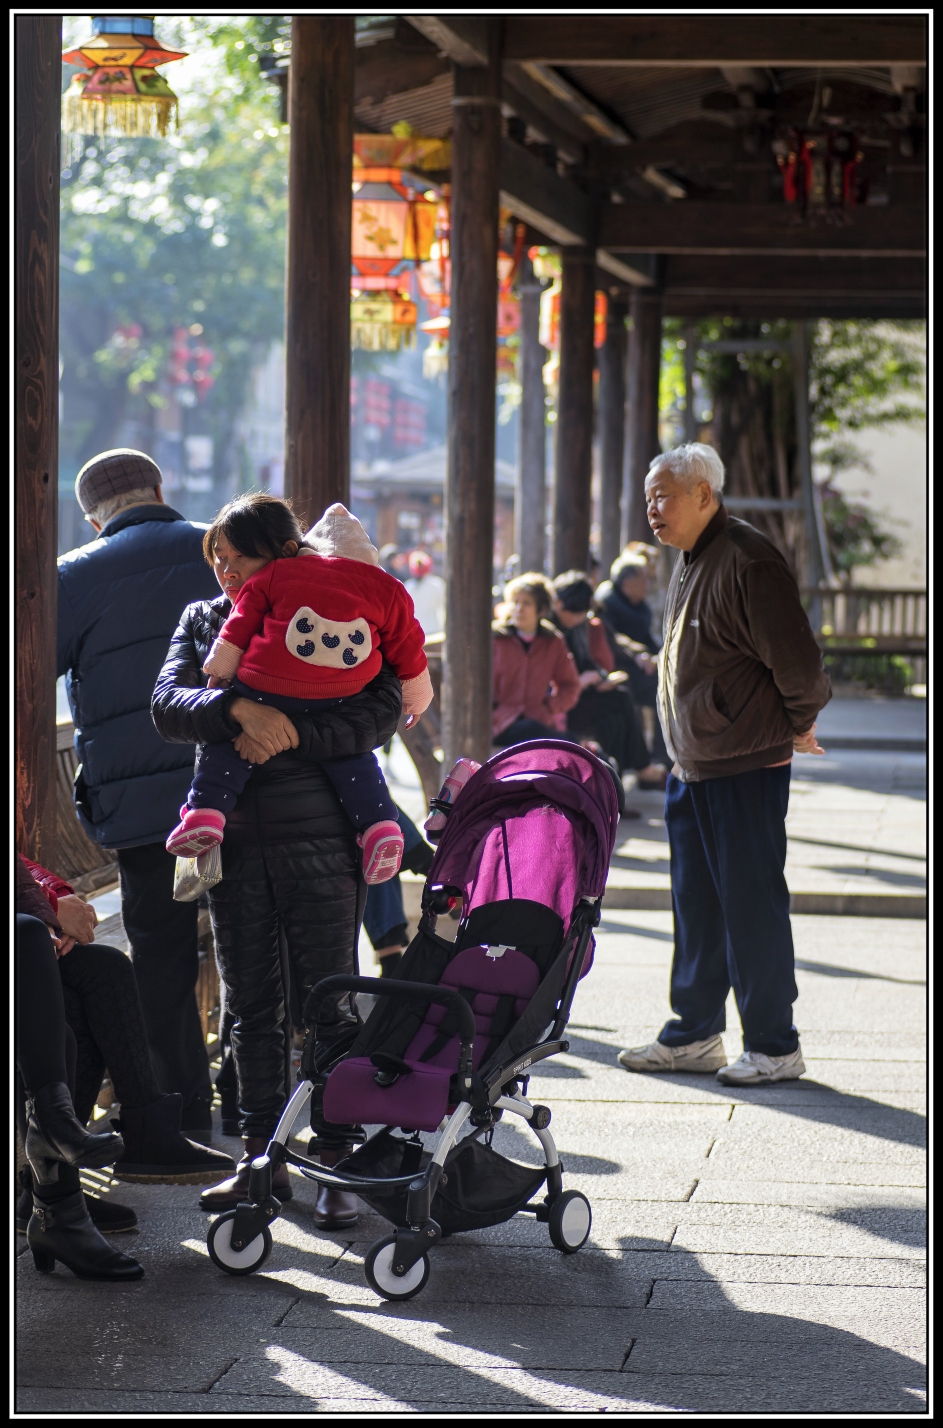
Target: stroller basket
pixel 448 1047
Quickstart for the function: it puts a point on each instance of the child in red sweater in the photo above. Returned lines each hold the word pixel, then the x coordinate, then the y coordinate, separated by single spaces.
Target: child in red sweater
pixel 307 630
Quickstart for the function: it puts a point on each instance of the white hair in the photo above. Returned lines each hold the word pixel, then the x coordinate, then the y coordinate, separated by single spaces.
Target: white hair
pixel 101 515
pixel 690 464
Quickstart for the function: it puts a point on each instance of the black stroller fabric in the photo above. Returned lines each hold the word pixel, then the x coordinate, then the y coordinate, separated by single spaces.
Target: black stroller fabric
pixel 481 1187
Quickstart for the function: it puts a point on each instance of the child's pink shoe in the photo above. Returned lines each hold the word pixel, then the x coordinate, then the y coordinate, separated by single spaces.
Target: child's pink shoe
pixel 382 845
pixel 199 830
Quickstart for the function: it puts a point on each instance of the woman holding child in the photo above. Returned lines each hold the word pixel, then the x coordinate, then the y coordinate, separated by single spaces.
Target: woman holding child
pixel 290 837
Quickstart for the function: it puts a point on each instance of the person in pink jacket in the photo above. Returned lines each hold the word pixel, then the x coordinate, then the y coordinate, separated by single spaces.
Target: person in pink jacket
pixel 534 678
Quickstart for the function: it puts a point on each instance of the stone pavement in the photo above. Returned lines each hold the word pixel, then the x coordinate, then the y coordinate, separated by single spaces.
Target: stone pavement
pixel 753 1252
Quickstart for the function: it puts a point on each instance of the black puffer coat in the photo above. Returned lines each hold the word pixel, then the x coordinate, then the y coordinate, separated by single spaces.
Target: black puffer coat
pixel 290 861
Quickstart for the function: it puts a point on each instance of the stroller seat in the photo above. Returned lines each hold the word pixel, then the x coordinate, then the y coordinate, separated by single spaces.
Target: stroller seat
pixel 498 983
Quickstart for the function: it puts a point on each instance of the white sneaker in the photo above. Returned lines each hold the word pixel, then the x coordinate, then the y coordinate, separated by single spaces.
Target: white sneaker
pixel 697 1056
pixel 753 1068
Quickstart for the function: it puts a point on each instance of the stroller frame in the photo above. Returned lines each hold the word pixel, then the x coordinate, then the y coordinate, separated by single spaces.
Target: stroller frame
pixel 240 1240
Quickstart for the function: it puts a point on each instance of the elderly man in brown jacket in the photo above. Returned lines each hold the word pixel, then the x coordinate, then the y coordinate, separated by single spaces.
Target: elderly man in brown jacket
pixel 741 682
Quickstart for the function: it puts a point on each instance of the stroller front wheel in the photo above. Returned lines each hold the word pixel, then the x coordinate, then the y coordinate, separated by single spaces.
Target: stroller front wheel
pixel 245 1261
pixel 378 1267
pixel 570 1221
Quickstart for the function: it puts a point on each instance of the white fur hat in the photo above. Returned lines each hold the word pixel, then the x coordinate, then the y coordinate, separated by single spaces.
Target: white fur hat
pixel 338 532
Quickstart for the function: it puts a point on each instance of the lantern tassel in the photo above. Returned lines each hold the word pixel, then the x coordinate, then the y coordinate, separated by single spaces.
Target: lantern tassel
pixel 135 116
pixel 381 337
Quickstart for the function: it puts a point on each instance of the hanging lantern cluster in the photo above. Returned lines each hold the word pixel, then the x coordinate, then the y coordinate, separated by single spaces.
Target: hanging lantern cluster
pixel 120 91
pixel 509 304
pixel 393 226
pixel 821 172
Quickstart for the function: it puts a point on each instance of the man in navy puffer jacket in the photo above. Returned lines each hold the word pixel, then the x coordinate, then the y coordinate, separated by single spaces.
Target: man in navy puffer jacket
pixel 120 599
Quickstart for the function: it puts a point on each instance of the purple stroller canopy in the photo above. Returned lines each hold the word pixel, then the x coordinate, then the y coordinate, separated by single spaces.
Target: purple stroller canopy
pixel 555 857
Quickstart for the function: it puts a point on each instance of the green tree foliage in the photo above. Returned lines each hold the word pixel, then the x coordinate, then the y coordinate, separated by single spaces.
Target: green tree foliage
pixel 159 234
pixel 862 374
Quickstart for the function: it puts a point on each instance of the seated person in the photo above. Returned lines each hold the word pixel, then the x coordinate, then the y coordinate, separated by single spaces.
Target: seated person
pixel 605 710
pixel 102 1011
pixel 622 602
pixel 534 679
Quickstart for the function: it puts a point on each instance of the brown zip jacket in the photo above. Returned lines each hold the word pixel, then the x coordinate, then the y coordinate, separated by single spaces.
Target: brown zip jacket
pixel 740 673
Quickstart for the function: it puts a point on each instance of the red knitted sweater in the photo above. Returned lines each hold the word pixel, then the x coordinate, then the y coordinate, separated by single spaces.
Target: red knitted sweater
pixel 317 627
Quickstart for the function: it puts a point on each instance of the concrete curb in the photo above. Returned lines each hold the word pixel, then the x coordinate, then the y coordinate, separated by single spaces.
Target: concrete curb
pixel 825 904
pixel 874 744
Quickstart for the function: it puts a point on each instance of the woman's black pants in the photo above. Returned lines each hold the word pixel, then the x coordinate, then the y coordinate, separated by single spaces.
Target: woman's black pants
pixel 77 1015
pixel 612 720
pixel 311 889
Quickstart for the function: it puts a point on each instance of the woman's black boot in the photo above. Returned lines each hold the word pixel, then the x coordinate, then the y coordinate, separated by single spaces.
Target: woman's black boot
pixel 54 1132
pixel 156 1153
pixel 64 1232
pixel 108 1217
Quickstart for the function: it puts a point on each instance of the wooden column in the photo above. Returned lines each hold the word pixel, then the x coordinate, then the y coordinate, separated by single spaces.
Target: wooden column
pixel 611 431
pixel 574 465
pixel 317 305
pixel 817 560
pixel 642 444
pixel 469 490
pixel 38 69
pixel 690 352
pixel 531 538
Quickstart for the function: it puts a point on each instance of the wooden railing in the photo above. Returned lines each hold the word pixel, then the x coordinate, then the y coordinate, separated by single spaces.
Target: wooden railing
pixel 869 622
pixel 87 866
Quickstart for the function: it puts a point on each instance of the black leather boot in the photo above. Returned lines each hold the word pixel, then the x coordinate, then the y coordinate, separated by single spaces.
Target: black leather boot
pixel 64 1232
pixel 228 1195
pixel 54 1133
pixel 155 1152
pixel 108 1217
pixel 335 1209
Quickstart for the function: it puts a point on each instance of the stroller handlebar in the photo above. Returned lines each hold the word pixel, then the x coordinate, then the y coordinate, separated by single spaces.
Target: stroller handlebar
pixel 416 991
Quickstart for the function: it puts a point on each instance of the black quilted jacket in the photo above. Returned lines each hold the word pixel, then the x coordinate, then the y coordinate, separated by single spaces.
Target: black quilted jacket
pixel 288 797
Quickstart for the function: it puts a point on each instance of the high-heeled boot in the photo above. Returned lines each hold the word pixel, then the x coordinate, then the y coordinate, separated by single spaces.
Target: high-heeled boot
pixel 54 1133
pixel 229 1193
pixel 335 1209
pixel 108 1217
pixel 64 1232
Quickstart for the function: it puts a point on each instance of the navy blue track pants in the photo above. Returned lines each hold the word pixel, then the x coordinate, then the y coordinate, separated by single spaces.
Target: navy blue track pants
pixel 731 909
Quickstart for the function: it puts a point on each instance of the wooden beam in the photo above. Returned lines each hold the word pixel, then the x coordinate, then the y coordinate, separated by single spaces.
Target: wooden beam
pixel 536 117
pixel 464 39
pixel 385 68
pixel 317 317
pixel 469 489
pixel 761 39
pixel 574 456
pixel 795 287
pixel 612 356
pixel 642 379
pixel 536 194
pixel 38 70
pixel 741 229
pixel 532 484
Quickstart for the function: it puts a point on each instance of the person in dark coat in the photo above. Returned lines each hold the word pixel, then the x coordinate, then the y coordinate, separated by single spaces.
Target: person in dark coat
pixel 290 868
pixel 605 710
pixel 622 603
pixel 119 602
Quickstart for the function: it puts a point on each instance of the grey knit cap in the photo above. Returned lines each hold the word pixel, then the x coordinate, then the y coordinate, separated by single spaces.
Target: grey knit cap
pixel 111 473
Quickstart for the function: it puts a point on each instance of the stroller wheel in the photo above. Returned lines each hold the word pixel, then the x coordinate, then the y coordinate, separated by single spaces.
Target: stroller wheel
pixel 570 1221
pixel 378 1267
pixel 219 1244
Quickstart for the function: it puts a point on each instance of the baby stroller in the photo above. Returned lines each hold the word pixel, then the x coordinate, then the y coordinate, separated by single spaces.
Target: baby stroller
pixel 452 1036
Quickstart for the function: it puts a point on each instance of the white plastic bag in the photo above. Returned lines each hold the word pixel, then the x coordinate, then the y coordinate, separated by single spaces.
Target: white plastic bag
pixel 193 876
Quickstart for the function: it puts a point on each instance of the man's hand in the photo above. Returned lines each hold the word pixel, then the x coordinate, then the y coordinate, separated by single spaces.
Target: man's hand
pixel 249 750
pixel 589 679
pixel 807 743
pixel 77 920
pixel 271 730
pixel 646 664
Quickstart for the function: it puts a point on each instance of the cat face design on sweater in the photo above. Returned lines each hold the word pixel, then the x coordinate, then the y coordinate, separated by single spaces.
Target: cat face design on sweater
pixel 336 644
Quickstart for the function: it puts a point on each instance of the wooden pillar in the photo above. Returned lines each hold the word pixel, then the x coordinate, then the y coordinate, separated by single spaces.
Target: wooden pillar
pixel 469 489
pixel 611 431
pixel 531 537
pixel 690 416
pixel 817 560
pixel 317 301
pixel 574 465
pixel 644 371
pixel 38 69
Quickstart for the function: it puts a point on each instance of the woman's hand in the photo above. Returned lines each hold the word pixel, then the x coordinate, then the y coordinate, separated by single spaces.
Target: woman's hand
pixel 77 921
pixel 589 679
pixel 646 664
pixel 268 728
